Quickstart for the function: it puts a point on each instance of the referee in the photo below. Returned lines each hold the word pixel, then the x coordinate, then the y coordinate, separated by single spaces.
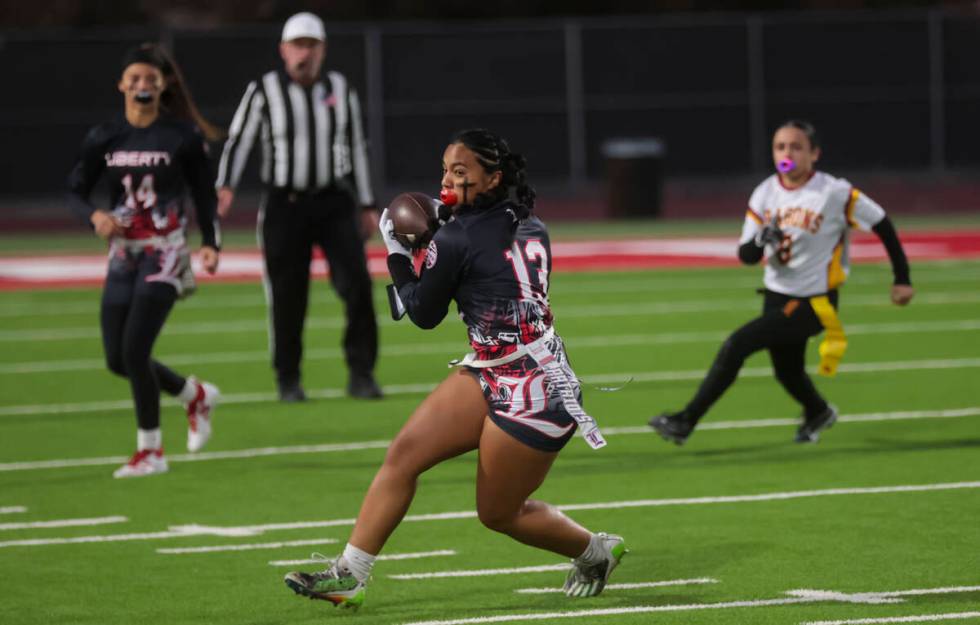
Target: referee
pixel 314 165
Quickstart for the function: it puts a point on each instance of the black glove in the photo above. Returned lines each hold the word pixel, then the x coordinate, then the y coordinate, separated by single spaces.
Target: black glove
pixel 770 233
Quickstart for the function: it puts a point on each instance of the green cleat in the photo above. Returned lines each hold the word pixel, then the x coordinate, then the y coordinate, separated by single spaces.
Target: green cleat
pixel 588 580
pixel 334 584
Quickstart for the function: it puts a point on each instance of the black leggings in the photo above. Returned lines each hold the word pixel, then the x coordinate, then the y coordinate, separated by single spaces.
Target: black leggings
pixel 133 313
pixel 784 328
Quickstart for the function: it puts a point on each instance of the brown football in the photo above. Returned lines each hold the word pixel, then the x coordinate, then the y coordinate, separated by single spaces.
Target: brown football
pixel 415 217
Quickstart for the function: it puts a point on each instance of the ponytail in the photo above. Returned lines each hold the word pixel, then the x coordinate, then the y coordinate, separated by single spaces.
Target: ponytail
pixel 176 99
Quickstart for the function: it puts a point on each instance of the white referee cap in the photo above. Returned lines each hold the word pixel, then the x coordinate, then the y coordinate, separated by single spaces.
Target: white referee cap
pixel 304 25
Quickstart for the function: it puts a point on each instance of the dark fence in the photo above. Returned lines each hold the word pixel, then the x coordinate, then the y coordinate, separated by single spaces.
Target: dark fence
pixel 888 90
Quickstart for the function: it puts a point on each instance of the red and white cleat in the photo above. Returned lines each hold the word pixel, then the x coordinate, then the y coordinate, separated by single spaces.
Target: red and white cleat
pixel 199 414
pixel 144 462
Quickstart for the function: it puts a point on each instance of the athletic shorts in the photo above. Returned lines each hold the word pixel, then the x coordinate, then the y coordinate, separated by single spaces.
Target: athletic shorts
pixel 150 270
pixel 523 404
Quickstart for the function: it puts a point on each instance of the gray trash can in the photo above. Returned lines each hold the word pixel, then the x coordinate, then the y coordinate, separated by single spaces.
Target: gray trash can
pixel 635 175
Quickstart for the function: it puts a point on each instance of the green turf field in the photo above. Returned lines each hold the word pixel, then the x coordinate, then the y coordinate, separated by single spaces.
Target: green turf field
pixel 908 389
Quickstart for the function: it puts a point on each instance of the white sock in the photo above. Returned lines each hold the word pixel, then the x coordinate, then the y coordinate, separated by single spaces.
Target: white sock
pixel 595 552
pixel 358 562
pixel 189 392
pixel 148 439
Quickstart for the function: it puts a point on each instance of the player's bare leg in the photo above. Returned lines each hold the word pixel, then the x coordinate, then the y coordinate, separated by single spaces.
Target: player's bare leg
pixel 448 423
pixel 508 473
pixel 445 425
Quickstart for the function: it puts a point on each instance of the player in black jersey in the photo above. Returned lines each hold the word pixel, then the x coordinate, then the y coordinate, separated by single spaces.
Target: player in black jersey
pixel 150 158
pixel 515 399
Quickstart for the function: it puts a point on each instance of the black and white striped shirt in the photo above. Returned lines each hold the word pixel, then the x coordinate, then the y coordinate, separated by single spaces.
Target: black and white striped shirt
pixel 312 137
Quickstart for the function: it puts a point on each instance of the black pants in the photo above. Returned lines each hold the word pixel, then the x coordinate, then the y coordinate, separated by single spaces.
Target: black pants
pixel 132 315
pixel 783 328
pixel 289 226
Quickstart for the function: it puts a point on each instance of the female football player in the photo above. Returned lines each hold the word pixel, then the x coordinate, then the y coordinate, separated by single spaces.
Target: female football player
pixel 515 399
pixel 800 218
pixel 150 157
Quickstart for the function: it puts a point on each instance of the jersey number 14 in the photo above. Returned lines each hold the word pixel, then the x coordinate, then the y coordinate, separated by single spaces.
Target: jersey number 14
pixel 144 196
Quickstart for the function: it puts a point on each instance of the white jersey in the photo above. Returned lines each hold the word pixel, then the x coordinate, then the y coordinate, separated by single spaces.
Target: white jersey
pixel 814 218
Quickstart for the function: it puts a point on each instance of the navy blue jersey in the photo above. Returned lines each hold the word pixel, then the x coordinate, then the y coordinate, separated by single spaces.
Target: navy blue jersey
pixel 149 172
pixel 495 268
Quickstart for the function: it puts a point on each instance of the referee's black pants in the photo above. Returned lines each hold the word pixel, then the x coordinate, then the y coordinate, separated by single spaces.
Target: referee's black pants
pixel 290 224
pixel 783 328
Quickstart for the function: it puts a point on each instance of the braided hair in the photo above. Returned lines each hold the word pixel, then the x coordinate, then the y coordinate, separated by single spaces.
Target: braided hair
pixel 493 154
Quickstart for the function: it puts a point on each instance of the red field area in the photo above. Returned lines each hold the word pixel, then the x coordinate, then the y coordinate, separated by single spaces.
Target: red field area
pixel 31 272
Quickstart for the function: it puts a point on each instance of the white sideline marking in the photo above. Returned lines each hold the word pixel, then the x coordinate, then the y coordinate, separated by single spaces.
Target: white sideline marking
pixel 398 389
pixel 484 572
pixel 388 556
pixel 626 310
pixel 855 418
pixel 12 509
pixel 538 616
pixel 339 447
pixel 450 348
pixel 921 618
pixel 178 531
pixel 248 546
pixel 628 586
pixel 105 520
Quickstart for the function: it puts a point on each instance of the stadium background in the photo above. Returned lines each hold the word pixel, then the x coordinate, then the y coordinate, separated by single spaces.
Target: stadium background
pixel 894 91
pixel 877 521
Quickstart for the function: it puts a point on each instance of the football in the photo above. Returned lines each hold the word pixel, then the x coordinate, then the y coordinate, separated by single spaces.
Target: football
pixel 415 217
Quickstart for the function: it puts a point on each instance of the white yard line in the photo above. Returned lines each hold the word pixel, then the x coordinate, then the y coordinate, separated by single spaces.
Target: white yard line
pixel 385 556
pixel 398 389
pixel 930 272
pixel 248 546
pixel 640 609
pixel 634 309
pixel 105 520
pixel 628 586
pixel 451 348
pixel 645 609
pixel 13 509
pixel 179 531
pixel 383 444
pixel 921 618
pixel 485 572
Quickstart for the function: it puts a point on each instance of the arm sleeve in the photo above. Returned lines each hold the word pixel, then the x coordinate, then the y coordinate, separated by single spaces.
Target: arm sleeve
pixel 241 137
pixel 889 237
pixel 200 181
pixel 362 175
pixel 427 298
pixel 85 174
pixel 749 252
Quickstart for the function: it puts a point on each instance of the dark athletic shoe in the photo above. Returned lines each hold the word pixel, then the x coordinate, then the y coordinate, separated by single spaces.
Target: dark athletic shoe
pixel 809 431
pixel 672 427
pixel 291 392
pixel 363 386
